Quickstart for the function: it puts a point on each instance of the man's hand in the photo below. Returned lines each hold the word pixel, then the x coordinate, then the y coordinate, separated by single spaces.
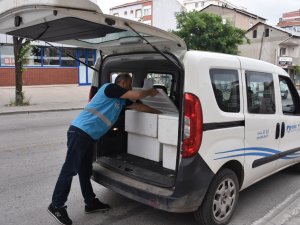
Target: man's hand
pixel 153 92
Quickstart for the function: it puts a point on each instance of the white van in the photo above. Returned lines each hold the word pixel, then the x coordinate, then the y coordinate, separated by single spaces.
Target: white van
pixel 224 126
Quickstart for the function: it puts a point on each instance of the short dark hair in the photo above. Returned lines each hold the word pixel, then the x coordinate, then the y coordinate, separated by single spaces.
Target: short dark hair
pixel 122 76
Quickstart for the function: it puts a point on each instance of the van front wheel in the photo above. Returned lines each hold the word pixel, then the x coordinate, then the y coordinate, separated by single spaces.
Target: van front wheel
pixel 220 200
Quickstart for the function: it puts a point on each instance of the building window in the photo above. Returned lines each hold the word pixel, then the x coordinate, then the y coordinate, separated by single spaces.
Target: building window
pixel 131 11
pixel 255 34
pixel 40 56
pixel 147 12
pixel 282 51
pixel 138 13
pixel 34 56
pixel 51 56
pixel 196 4
pixel 116 14
pixel 267 32
pixel 125 13
pixel 202 4
pixel 7 56
pixel 67 61
pixel 224 21
pixel 225 84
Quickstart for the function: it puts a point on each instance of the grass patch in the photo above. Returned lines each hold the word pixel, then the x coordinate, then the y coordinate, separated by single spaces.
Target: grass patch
pixel 25 102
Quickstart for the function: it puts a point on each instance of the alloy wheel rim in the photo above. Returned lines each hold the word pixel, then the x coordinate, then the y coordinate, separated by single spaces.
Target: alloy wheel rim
pixel 224 200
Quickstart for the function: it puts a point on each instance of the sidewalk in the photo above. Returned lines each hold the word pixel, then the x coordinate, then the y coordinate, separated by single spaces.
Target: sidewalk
pixel 45 98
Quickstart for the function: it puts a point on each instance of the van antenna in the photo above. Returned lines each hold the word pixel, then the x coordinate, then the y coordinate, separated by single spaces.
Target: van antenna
pixel 154 47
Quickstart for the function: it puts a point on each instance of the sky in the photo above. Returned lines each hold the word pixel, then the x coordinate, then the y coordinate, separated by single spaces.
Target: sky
pixel 271 10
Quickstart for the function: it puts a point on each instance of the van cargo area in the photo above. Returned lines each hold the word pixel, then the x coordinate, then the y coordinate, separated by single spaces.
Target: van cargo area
pixel 140 145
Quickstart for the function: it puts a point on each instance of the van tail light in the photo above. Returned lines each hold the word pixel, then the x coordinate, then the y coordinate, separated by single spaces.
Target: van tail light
pixel 93 91
pixel 193 125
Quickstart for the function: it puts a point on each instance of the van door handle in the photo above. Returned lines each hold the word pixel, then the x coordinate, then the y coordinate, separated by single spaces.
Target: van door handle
pixel 282 129
pixel 277 131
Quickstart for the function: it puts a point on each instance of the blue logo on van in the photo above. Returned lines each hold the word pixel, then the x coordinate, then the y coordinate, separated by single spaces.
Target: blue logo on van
pixel 292 128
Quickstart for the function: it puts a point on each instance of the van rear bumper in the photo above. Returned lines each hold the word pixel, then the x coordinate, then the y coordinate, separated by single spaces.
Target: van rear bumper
pixel 193 179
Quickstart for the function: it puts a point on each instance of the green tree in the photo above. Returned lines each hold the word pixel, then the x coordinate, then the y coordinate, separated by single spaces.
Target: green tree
pixel 297 70
pixel 21 48
pixel 206 31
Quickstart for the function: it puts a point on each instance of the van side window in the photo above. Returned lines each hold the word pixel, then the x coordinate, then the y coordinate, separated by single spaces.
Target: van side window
pixel 161 81
pixel 225 84
pixel 289 96
pixel 260 93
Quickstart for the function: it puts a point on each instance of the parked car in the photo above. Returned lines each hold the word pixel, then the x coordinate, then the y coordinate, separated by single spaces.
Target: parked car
pixel 224 126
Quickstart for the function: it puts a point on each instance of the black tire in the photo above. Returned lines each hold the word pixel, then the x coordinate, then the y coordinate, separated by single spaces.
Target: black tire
pixel 297 167
pixel 209 213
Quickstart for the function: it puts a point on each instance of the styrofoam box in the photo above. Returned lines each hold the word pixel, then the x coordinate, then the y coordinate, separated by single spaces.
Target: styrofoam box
pixel 145 147
pixel 169 156
pixel 168 128
pixel 141 123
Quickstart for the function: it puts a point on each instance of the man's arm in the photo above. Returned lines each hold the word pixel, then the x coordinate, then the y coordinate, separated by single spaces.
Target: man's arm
pixel 143 108
pixel 139 94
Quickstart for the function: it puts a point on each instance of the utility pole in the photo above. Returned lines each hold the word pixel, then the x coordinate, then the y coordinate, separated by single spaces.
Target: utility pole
pixel 261 44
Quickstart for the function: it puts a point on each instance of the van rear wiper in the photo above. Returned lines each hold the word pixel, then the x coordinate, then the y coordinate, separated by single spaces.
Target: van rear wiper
pixel 154 47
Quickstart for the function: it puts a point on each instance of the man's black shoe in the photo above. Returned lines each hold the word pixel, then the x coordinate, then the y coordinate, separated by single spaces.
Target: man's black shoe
pixel 60 214
pixel 96 206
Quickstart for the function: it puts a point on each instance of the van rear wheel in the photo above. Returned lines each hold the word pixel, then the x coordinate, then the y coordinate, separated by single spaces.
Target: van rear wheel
pixel 297 167
pixel 220 200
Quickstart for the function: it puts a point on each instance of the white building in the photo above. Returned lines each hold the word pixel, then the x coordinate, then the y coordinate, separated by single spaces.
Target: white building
pixel 198 5
pixel 158 13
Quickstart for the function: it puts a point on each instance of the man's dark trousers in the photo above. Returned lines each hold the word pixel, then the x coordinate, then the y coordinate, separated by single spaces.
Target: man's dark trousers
pixel 78 161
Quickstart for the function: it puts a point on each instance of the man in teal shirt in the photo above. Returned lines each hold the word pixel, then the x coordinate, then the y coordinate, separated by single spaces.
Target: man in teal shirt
pixel 91 124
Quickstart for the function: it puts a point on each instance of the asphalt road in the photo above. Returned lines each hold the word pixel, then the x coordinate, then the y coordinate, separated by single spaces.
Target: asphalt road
pixel 32 150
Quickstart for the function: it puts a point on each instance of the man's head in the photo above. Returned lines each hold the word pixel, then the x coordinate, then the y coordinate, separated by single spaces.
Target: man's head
pixel 124 80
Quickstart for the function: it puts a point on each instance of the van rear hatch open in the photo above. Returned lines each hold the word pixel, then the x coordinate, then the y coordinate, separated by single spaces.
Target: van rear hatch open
pixel 142 145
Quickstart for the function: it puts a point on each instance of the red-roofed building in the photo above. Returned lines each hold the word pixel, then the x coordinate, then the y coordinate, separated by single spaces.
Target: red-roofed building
pixel 290 20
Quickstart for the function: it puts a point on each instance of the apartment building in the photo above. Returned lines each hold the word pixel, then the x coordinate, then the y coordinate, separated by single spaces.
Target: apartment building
pixel 290 21
pixel 236 17
pixel 158 13
pixel 198 5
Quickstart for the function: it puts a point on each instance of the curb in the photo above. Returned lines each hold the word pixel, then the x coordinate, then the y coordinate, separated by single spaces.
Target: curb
pixel 38 111
pixel 282 214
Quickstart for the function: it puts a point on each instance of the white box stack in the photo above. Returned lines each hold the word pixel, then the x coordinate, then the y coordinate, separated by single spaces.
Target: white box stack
pixel 142 135
pixel 168 128
pixel 145 147
pixel 169 156
pixel 141 123
pixel 153 136
pixel 168 136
